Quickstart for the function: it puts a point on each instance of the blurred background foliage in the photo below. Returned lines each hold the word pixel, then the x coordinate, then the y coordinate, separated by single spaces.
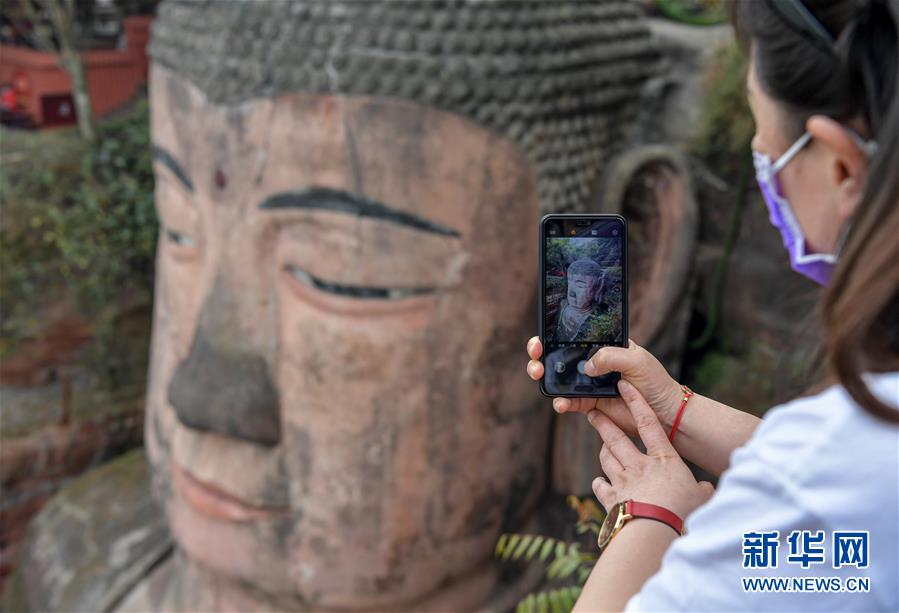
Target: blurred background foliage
pixel 78 224
pixel 726 126
pixel 694 12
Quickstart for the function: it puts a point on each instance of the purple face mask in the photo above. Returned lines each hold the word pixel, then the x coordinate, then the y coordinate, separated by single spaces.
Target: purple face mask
pixel 816 266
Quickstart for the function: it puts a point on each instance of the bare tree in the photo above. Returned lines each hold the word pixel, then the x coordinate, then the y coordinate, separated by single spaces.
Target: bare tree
pixel 61 15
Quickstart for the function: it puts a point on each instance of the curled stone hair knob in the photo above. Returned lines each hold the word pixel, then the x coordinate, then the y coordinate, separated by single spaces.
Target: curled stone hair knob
pixel 523 69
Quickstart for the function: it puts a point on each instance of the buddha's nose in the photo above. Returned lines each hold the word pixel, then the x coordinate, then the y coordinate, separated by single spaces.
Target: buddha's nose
pixel 222 386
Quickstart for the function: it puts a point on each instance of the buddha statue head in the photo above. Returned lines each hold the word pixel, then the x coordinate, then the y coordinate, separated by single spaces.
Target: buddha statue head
pixel 348 192
pixel 585 281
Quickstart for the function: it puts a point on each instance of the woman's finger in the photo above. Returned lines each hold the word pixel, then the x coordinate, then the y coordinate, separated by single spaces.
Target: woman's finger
pixel 561 405
pixel 535 370
pixel 648 427
pixel 614 359
pixel 609 463
pixel 535 348
pixel 617 441
pixel 604 492
pixel 576 405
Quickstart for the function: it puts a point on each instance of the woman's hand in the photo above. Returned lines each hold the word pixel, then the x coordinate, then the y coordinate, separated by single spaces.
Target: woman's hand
pixel 658 476
pixel 636 365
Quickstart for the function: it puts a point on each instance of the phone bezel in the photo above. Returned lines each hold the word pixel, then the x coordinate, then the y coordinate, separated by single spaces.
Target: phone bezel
pixel 541 302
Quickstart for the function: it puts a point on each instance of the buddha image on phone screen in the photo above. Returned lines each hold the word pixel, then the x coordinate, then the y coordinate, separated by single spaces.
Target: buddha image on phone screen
pixel 583 289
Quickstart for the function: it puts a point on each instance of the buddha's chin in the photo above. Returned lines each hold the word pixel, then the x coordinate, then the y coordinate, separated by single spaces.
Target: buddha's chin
pixel 242 550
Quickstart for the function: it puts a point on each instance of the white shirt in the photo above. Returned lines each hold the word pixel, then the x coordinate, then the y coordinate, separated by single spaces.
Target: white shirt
pixel 817 463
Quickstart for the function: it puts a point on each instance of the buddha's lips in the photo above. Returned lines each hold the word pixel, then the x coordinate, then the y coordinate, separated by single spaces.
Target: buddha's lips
pixel 216 503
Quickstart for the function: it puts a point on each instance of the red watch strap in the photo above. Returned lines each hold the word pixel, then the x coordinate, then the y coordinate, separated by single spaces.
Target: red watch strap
pixel 654 511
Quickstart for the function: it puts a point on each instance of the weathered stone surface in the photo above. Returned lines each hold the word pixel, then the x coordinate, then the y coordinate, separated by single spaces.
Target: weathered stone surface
pixel 92 543
pixel 36 463
pixel 61 414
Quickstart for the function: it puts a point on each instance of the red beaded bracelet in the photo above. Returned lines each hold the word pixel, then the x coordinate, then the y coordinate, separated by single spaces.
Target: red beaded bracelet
pixel 680 412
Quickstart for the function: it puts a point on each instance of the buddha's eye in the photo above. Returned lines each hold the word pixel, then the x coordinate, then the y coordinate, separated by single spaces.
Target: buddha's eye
pixel 178 238
pixel 356 291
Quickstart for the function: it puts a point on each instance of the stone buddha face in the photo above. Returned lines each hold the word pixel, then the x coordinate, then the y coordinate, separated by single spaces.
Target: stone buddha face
pixel 584 283
pixel 336 408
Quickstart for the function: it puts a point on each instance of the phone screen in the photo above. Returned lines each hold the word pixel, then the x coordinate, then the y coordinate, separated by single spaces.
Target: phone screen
pixel 584 299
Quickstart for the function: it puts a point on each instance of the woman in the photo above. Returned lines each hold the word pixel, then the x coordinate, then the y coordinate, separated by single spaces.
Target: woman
pixel 822 88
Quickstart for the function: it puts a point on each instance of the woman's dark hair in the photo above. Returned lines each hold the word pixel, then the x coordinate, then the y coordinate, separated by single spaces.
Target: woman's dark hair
pixel 854 77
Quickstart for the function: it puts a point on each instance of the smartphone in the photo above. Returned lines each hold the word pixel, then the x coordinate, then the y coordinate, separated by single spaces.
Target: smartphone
pixel 583 300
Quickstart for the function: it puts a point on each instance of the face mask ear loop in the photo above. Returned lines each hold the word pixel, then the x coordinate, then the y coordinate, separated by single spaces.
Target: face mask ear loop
pixel 790 153
pixel 868 147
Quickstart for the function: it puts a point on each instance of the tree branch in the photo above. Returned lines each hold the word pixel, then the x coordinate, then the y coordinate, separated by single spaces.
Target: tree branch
pixel 45 43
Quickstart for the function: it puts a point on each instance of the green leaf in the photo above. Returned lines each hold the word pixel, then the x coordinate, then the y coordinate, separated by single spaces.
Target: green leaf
pixel 501 544
pixel 513 543
pixel 560 549
pixel 532 550
pixel 567 598
pixel 555 567
pixel 555 601
pixel 542 603
pixel 571 565
pixel 574 592
pixel 547 548
pixel 528 604
pixel 526 540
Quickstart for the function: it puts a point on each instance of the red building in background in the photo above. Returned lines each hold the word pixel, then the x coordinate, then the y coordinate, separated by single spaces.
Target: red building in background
pixel 43 90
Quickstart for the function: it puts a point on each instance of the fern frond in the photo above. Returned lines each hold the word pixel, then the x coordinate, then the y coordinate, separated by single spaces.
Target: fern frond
pixel 560 600
pixel 528 604
pixel 548 546
pixel 570 596
pixel 560 549
pixel 555 601
pixel 570 565
pixel 511 545
pixel 542 603
pixel 554 567
pixel 501 545
pixel 524 545
pixel 535 546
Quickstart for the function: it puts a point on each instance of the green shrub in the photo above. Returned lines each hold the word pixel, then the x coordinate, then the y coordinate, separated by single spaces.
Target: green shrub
pixel 78 223
pixel 567 564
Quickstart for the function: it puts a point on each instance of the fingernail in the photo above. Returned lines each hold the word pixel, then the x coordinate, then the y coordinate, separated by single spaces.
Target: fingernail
pixel 624 387
pixel 592 415
pixel 589 369
pixel 557 405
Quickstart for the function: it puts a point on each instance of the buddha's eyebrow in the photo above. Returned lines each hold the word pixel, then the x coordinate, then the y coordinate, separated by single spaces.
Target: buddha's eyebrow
pixel 169 161
pixel 335 200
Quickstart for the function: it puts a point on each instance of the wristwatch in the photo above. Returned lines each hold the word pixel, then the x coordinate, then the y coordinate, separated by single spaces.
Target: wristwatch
pixel 625 511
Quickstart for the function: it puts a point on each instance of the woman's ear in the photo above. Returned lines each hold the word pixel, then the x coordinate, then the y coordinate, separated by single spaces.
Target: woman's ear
pixel 849 162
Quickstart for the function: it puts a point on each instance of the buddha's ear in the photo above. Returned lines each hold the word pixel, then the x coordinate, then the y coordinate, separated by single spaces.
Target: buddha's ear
pixel 651 187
